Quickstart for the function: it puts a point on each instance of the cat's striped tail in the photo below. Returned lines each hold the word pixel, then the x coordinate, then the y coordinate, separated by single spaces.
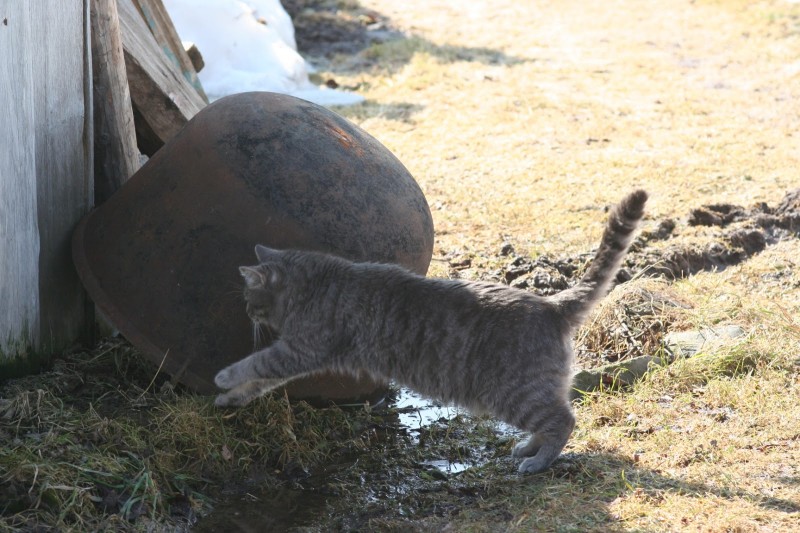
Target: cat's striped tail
pixel 577 301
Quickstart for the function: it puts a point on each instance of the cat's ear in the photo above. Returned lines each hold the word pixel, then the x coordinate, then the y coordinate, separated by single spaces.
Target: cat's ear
pixel 253 277
pixel 266 255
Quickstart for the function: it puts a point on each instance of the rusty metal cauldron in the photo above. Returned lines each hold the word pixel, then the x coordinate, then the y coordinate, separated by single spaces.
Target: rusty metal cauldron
pixel 160 258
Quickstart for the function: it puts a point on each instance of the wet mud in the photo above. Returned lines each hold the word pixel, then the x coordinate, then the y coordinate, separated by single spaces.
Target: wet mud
pixel 422 458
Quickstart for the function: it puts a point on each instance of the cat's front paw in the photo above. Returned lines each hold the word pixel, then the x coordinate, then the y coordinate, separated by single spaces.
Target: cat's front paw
pixel 232 399
pixel 227 378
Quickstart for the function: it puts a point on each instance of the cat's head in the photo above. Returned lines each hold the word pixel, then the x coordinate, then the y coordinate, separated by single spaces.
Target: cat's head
pixel 264 287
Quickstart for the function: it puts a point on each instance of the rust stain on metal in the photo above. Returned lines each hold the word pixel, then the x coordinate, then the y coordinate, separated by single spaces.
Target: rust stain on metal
pixel 346 141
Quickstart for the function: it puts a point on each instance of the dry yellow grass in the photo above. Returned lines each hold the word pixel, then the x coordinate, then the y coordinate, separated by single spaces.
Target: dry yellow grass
pixel 526 118
pixel 522 121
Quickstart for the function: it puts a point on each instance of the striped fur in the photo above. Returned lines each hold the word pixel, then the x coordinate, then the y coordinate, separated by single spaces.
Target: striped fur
pixel 487 347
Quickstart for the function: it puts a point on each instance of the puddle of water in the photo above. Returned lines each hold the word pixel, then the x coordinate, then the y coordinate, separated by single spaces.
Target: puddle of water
pixel 280 509
pixel 448 467
pixel 416 412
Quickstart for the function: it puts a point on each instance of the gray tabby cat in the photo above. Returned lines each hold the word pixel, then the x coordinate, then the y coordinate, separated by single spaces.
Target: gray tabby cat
pixel 487 347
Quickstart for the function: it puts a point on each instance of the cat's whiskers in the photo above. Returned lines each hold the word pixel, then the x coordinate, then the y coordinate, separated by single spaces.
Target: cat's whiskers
pixel 261 337
pixel 257 337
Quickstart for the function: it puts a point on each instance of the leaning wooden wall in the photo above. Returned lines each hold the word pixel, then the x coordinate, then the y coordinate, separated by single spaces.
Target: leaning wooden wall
pixel 46 180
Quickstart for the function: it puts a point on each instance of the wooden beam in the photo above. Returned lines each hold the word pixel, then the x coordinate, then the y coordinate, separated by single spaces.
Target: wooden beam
pixel 160 93
pixel 162 28
pixel 116 155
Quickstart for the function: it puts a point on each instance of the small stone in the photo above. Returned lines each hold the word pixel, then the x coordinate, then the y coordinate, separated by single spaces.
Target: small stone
pixel 688 343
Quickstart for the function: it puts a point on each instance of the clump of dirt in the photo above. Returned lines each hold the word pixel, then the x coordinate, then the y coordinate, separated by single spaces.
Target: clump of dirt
pixel 633 322
pixel 790 206
pixel 544 275
pixel 751 230
pixel 748 232
pixel 681 260
pixel 662 232
pixel 716 215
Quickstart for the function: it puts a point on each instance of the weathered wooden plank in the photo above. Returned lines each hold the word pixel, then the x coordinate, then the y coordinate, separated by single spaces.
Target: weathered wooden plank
pixel 160 24
pixel 116 156
pixel 62 78
pixel 160 94
pixel 45 176
pixel 19 232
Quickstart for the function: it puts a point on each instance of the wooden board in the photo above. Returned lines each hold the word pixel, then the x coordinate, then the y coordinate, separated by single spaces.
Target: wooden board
pixel 158 20
pixel 19 232
pixel 161 95
pixel 65 186
pixel 45 175
pixel 116 155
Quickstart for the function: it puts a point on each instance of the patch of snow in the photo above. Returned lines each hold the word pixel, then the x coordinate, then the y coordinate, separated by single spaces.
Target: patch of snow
pixel 248 45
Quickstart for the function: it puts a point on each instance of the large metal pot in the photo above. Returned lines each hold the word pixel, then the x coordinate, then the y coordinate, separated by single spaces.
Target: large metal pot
pixel 160 258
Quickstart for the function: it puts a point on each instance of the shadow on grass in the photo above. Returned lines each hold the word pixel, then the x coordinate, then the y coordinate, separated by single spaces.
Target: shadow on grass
pixel 578 490
pixel 387 487
pixel 361 38
pixel 396 111
pixel 342 36
pixel 574 495
pixel 91 445
pixel 392 55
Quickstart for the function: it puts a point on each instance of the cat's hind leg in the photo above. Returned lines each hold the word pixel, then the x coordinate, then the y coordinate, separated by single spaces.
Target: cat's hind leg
pixel 549 437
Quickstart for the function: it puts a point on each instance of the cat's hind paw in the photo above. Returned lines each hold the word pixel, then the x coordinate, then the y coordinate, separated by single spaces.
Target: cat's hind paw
pixel 527 448
pixel 543 458
pixel 533 465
